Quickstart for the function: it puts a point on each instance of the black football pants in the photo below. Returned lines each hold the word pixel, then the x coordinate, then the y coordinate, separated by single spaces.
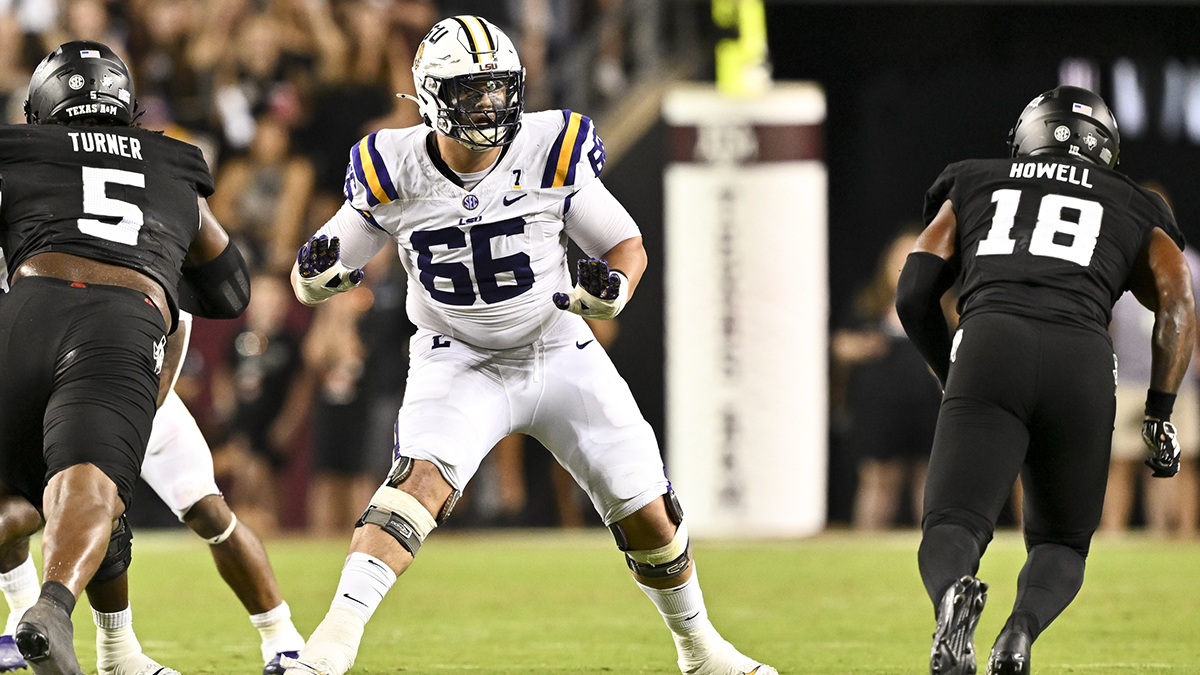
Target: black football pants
pixel 1030 398
pixel 80 366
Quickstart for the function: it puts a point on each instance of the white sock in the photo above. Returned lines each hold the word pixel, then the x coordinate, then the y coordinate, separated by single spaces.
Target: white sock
pixel 115 640
pixel 365 580
pixel 277 631
pixel 21 590
pixel 682 607
pixel 683 610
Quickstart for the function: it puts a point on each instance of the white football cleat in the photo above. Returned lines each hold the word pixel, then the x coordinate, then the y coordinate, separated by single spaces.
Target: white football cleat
pixel 721 658
pixel 298 667
pixel 137 664
pixel 332 647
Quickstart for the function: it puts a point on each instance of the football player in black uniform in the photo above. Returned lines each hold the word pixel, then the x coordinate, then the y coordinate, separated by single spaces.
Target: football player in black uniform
pixel 101 226
pixel 1044 243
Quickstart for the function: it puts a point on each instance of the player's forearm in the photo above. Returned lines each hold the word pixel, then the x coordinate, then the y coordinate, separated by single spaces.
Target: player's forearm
pixel 1172 343
pixel 629 258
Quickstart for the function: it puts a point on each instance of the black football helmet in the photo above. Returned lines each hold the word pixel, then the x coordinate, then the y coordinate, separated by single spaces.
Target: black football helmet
pixel 78 81
pixel 1069 121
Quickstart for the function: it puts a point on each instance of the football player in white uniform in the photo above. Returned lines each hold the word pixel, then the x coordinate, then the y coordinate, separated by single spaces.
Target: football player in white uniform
pixel 179 468
pixel 480 209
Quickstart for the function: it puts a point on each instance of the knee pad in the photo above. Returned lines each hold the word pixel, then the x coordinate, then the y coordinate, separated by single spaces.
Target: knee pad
pixel 119 553
pixel 401 516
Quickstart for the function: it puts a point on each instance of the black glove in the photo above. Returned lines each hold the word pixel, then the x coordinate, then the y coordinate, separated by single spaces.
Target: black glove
pixel 1159 436
pixel 600 293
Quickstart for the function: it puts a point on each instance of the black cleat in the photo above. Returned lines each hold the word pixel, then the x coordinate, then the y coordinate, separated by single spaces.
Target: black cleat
pixel 45 637
pixel 1010 655
pixel 953 651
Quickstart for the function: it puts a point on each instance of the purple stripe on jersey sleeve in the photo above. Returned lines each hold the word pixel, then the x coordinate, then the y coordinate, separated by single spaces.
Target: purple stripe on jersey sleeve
pixel 380 168
pixel 585 128
pixel 552 160
pixel 360 176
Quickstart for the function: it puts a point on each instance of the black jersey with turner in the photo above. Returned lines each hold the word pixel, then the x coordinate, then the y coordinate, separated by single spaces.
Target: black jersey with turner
pixel 119 195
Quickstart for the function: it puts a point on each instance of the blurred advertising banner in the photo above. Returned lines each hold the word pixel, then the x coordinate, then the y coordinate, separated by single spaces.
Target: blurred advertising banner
pixel 747 310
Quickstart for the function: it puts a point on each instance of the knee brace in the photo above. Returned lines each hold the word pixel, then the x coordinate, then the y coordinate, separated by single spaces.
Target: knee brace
pixel 401 516
pixel 665 561
pixel 119 553
pixel 402 468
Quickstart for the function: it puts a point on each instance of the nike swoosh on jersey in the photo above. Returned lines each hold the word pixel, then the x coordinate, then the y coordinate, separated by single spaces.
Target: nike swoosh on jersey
pixel 347 595
pixel 581 346
pixel 514 200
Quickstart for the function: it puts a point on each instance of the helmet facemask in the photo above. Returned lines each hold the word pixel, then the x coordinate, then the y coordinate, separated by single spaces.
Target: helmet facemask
pixel 470 83
pixel 481 111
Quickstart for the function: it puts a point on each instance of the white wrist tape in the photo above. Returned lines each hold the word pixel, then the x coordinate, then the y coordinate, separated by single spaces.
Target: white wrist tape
pixel 314 290
pixel 590 307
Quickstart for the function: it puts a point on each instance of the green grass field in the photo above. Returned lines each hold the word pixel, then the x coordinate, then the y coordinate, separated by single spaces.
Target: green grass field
pixel 563 603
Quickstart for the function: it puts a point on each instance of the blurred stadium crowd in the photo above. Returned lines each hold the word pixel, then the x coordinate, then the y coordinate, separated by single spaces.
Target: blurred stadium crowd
pixel 298 404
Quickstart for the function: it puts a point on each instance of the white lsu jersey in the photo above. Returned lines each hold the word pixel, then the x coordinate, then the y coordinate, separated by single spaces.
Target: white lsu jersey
pixel 483 263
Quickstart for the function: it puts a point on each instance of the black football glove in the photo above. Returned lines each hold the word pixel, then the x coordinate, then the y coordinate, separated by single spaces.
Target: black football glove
pixel 598 294
pixel 1163 446
pixel 322 275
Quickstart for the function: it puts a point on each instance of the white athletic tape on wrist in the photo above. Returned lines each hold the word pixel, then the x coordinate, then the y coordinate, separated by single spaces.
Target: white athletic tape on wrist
pixel 664 554
pixel 314 290
pixel 213 541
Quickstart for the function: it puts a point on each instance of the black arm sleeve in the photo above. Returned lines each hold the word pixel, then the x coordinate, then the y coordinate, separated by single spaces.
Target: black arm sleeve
pixel 217 289
pixel 923 281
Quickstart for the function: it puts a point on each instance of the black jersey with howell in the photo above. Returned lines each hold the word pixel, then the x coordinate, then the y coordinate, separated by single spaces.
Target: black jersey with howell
pixel 1047 238
pixel 119 195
